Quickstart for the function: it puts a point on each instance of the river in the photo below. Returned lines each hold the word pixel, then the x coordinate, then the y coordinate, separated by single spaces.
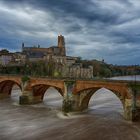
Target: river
pixel 102 121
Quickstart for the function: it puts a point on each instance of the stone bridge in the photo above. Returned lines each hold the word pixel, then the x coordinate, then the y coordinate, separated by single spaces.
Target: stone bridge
pixel 76 93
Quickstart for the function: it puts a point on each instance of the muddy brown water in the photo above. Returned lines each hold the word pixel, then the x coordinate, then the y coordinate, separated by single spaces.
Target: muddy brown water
pixel 102 121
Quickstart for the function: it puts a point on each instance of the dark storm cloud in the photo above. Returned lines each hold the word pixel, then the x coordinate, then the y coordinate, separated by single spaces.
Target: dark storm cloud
pixel 93 29
pixel 64 8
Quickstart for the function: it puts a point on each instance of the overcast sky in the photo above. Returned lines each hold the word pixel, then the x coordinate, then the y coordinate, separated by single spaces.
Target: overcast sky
pixel 93 29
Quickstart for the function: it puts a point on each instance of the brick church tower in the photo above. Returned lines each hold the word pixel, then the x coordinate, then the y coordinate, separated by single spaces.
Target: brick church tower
pixel 61 45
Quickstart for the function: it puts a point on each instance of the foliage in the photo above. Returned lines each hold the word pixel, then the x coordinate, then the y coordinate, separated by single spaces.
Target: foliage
pixel 69 82
pixel 4 51
pixel 43 68
pixel 102 69
pixel 25 79
pixel 135 86
pixel 57 74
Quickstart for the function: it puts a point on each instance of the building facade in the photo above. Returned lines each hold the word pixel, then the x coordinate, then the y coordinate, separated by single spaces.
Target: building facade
pixel 5 59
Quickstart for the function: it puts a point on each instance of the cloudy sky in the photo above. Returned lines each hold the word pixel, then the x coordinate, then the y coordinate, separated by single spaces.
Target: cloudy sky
pixel 93 29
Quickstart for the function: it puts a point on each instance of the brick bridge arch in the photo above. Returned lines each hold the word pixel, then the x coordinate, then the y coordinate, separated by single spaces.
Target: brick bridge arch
pixel 6 85
pixel 85 90
pixel 40 89
pixel 40 86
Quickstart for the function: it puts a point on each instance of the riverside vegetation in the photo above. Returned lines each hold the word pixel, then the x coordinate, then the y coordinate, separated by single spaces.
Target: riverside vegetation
pixel 42 68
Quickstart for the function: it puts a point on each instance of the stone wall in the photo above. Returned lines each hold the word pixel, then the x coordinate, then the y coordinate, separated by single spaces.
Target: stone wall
pixel 77 72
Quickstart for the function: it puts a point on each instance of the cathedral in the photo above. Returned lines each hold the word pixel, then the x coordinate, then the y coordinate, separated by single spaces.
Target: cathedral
pixel 36 52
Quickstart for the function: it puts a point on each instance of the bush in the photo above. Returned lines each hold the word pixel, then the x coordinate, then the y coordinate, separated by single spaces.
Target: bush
pixel 25 79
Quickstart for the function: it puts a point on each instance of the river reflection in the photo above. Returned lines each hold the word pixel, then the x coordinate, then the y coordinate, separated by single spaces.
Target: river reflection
pixel 102 121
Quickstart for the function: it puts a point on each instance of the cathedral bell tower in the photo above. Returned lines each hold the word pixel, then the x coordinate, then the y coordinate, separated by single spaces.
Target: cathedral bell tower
pixel 61 45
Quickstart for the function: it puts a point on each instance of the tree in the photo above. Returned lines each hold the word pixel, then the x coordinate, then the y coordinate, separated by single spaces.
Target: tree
pixel 4 51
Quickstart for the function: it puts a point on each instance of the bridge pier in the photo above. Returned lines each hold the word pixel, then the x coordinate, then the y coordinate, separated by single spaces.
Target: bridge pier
pixel 77 103
pixel 132 106
pixel 80 101
pixel 136 106
pixel 128 109
pixel 28 98
pixel 72 104
pixel 68 102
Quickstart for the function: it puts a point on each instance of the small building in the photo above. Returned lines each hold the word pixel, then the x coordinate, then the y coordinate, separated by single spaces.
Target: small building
pixel 71 60
pixel 5 59
pixel 19 58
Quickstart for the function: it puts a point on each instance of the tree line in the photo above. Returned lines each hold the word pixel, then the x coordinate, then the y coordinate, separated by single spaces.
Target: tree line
pixel 43 68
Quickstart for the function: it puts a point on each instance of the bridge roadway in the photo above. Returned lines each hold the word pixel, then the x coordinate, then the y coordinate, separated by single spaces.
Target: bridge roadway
pixel 76 93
